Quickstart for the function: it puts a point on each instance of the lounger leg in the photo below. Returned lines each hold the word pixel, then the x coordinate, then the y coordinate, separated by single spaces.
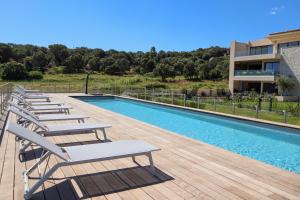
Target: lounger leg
pixel 37 163
pixel 152 168
pixel 24 147
pixel 30 191
pixel 104 134
pixel 133 159
pixel 43 178
pixel 97 136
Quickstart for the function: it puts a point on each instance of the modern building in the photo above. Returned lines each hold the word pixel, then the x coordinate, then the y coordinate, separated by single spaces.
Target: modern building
pixel 254 65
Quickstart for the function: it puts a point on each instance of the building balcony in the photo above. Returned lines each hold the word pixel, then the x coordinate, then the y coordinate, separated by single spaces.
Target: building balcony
pixel 254 75
pixel 245 56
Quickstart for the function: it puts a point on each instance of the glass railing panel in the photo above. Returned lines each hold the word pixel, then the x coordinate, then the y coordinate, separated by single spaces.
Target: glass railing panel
pixel 253 73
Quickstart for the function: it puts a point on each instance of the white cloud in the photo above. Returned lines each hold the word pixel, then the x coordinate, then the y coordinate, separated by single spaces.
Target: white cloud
pixel 276 9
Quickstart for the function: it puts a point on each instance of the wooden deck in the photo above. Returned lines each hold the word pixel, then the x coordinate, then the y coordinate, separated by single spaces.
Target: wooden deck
pixel 188 169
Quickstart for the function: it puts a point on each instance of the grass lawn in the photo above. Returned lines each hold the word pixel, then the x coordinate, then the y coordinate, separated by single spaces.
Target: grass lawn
pixel 228 108
pixel 97 81
pixel 76 83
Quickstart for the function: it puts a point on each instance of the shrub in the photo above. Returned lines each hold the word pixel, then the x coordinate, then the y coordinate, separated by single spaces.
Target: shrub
pixel 13 71
pixel 285 84
pixel 35 75
pixel 155 85
pixel 56 70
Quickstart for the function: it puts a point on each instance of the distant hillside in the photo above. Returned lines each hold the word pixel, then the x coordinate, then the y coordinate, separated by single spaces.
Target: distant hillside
pixel 203 63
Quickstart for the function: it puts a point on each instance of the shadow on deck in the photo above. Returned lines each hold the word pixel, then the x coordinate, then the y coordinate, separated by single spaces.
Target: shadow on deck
pixel 102 183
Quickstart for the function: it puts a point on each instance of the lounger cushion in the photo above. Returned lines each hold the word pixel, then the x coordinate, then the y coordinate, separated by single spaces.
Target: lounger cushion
pixel 53 129
pixel 54 117
pixel 51 107
pixel 110 150
pixel 44 103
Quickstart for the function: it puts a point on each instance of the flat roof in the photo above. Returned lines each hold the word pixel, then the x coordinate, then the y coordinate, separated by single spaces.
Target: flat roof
pixel 283 32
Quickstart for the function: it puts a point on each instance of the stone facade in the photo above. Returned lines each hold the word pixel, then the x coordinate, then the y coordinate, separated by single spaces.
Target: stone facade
pixel 290 66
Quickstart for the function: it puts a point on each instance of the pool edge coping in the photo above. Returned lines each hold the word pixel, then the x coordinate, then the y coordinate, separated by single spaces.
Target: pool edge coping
pixel 177 134
pixel 262 121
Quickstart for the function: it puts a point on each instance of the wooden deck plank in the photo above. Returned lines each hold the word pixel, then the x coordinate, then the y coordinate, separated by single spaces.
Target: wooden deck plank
pixel 195 170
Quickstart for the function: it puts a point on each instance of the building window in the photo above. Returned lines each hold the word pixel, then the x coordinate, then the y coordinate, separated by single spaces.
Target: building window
pixel 288 44
pixel 272 67
pixel 261 50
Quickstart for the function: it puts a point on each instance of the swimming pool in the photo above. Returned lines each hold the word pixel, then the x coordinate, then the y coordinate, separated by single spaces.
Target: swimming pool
pixel 270 144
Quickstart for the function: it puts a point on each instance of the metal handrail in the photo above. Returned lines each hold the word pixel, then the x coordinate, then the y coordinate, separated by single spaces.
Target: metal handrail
pixel 5 94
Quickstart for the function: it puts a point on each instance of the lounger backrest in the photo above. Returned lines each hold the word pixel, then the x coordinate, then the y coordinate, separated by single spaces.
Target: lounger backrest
pixel 21 87
pixel 20 99
pixel 36 139
pixel 27 112
pixel 22 93
pixel 27 117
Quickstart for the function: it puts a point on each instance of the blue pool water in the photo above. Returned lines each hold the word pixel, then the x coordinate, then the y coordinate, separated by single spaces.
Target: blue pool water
pixel 270 144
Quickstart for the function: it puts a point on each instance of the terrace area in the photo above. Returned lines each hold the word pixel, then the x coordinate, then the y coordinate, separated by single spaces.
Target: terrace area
pixel 187 168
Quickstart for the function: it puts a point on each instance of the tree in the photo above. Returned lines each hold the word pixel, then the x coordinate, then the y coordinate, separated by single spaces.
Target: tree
pixel 153 54
pixel 94 63
pixel 164 70
pixel 5 53
pixel 27 61
pixel 150 65
pixel 59 53
pixel 99 53
pixel 39 61
pixel 13 71
pixel 202 71
pixel 105 62
pixel 189 70
pixel 74 64
pixel 285 84
pixel 119 67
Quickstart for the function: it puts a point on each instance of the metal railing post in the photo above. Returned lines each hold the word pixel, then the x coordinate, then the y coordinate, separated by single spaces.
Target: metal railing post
pixel 233 108
pixel 215 105
pixel 198 102
pixel 256 111
pixel 152 94
pixel 1 101
pixel 285 116
pixel 172 93
pixel 184 100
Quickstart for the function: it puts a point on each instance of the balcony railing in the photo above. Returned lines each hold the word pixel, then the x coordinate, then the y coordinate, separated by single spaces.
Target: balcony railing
pixel 253 73
pixel 247 53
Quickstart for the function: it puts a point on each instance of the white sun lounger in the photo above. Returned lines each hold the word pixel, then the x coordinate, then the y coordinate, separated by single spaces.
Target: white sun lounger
pixel 23 101
pixel 77 154
pixel 57 108
pixel 61 108
pixel 27 90
pixel 63 129
pixel 50 117
pixel 32 96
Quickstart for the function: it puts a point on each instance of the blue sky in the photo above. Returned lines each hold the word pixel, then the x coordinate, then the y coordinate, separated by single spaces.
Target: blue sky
pixel 134 25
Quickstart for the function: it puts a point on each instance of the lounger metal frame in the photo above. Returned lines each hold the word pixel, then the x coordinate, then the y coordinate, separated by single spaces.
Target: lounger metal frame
pixel 48 152
pixel 38 125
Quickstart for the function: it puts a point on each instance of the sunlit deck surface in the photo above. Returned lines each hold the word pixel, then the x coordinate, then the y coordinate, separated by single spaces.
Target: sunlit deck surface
pixel 188 169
